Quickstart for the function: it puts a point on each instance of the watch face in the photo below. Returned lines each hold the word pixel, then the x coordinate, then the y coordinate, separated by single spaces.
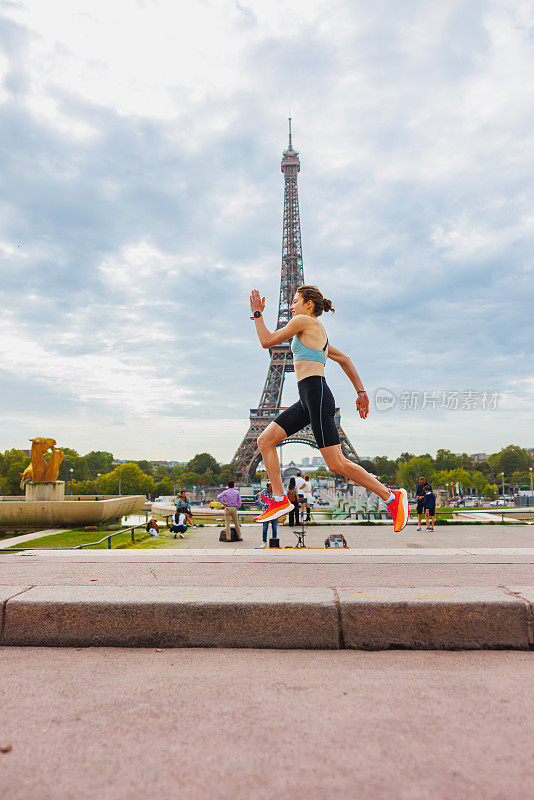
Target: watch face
pixel 257 313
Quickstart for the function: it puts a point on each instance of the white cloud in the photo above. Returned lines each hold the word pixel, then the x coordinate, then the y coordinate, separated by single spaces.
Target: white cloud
pixel 143 198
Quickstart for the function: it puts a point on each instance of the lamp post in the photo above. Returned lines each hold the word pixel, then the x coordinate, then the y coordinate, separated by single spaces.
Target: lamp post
pixel 98 483
pixel 71 471
pixel 502 473
pixel 530 469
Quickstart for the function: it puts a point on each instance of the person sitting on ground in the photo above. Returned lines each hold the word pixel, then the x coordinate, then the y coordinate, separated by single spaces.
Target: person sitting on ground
pixel 179 522
pixel 231 500
pixel 292 496
pixel 152 528
pixel 429 502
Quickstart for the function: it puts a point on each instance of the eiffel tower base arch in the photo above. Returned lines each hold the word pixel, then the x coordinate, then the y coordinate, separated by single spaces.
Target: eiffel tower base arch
pixel 248 455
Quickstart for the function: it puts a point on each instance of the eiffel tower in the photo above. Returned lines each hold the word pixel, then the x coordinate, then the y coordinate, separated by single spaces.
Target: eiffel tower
pixel 248 455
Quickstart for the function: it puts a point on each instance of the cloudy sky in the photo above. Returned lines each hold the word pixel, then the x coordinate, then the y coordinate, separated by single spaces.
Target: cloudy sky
pixel 141 200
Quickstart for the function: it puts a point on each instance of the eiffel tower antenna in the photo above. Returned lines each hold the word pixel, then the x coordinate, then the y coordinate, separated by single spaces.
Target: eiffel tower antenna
pixel 248 455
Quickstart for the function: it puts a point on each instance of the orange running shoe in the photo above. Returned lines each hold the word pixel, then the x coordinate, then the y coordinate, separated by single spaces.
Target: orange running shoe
pixel 274 510
pixel 398 509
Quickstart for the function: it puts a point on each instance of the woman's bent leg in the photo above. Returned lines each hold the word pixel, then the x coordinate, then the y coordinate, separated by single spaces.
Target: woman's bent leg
pixel 267 441
pixel 336 462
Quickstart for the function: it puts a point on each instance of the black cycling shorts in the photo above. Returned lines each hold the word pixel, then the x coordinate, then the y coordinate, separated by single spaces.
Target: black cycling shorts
pixel 316 406
pixel 420 506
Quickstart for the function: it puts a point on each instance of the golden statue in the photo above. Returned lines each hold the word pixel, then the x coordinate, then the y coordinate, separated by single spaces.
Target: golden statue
pixel 40 470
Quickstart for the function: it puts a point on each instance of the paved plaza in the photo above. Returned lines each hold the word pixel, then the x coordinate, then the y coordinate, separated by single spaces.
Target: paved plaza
pixel 248 724
pixel 127 724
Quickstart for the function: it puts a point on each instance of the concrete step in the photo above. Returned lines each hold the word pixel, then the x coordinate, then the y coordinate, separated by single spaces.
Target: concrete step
pixel 269 617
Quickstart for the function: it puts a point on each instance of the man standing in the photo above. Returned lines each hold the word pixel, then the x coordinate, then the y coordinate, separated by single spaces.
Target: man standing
pixel 307 493
pixel 232 502
pixel 420 493
pixel 299 481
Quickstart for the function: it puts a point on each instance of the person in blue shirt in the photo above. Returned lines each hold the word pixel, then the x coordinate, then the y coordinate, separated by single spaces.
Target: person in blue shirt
pixel 429 502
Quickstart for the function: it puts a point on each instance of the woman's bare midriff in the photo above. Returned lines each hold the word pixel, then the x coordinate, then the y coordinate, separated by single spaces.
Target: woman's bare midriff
pixel 316 341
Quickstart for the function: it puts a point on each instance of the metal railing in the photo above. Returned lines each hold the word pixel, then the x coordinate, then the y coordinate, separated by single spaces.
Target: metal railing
pixel 108 536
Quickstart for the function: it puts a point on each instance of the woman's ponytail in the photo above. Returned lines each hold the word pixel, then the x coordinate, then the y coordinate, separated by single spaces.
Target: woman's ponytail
pixel 327 305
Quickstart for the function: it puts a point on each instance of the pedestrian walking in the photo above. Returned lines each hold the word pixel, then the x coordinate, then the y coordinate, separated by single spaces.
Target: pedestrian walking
pixel 232 503
pixel 292 496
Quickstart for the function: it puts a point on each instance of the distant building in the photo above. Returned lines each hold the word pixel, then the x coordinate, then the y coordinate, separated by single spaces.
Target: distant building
pixel 318 461
pixel 530 451
pixel 306 462
pixel 479 456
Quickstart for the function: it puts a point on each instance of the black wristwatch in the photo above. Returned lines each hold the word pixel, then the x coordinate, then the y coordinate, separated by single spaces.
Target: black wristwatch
pixel 256 315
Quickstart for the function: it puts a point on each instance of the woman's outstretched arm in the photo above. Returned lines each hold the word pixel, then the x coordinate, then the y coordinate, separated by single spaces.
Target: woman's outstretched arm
pixel 362 403
pixel 268 339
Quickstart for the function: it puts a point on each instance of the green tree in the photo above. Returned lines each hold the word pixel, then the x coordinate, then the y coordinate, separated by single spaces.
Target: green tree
pixel 385 466
pixel 84 487
pixel 190 479
pixel 146 467
pixel 490 491
pixel 510 459
pixel 164 487
pixel 202 462
pixel 162 471
pixel 13 456
pixel 404 457
pixel 208 478
pixel 409 472
pixel 446 460
pixel 75 462
pixel 99 461
pixel 369 466
pixel 132 480
pixel 12 464
pixel 11 480
pixel 227 473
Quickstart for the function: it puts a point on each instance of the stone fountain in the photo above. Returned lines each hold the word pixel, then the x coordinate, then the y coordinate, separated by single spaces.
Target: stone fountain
pixel 44 503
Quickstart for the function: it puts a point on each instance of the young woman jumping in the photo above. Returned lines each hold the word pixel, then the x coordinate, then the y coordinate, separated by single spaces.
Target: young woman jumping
pixel 316 405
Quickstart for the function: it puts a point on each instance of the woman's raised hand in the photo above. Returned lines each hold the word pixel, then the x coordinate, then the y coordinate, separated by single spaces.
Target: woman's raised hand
pixel 257 303
pixel 362 405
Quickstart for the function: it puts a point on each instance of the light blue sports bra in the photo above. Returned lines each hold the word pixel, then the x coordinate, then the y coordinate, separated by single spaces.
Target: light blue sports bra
pixel 303 353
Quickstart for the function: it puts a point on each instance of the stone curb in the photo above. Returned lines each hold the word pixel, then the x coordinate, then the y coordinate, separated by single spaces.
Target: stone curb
pixel 281 618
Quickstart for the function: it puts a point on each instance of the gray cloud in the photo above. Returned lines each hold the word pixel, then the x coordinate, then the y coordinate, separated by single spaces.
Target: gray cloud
pixel 132 249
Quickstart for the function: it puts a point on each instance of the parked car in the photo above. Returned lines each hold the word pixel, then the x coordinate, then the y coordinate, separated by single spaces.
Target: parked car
pixel 499 502
pixel 216 504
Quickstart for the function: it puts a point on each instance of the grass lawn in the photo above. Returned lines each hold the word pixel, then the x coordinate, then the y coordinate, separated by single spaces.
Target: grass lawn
pixel 75 536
